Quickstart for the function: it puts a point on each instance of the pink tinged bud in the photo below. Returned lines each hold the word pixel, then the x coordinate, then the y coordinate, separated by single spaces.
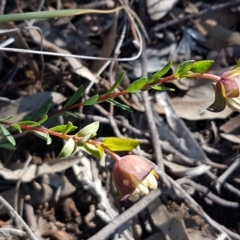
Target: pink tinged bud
pixel 231 85
pixel 133 176
pixel 227 91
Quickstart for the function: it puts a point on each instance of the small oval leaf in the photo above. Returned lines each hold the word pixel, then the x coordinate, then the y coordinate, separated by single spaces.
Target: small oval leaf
pixel 68 149
pixel 201 66
pixel 75 97
pixel 28 123
pixel 91 129
pixel 94 151
pixel 16 126
pixel 7 134
pixel 44 136
pixel 162 88
pixel 117 82
pixel 43 110
pixel 91 101
pixel 120 105
pixel 183 68
pixel 136 85
pixel 120 144
pixel 160 73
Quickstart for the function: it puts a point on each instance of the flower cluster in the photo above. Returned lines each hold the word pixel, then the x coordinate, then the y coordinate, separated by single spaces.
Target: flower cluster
pixel 133 176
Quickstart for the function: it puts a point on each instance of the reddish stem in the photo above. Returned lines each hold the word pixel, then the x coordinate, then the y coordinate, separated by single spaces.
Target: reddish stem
pixel 102 98
pixel 114 156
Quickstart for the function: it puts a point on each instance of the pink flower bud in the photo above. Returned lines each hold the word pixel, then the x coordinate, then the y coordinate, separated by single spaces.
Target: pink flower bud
pixel 133 176
pixel 227 92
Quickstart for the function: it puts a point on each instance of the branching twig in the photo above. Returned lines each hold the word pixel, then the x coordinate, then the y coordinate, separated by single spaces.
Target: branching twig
pixel 17 216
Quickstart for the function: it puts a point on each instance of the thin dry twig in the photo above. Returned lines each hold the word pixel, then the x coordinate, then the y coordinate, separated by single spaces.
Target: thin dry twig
pixel 207 193
pixel 192 204
pixel 222 179
pixel 149 115
pixel 211 8
pixel 107 231
pixel 18 217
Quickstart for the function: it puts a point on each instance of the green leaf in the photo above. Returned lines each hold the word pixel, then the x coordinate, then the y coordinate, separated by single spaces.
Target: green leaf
pixel 120 144
pixel 28 123
pixel 75 97
pixel 42 14
pixel 85 138
pixel 7 118
pixel 68 149
pixel 8 135
pixel 136 85
pixel 91 129
pixel 7 145
pixel 43 110
pixel 36 124
pixel 120 105
pixel 44 136
pixel 69 128
pixel 64 128
pixel 162 88
pixel 91 101
pixel 183 68
pixel 160 73
pixel 94 151
pixel 16 126
pixel 44 119
pixel 117 82
pixel 201 66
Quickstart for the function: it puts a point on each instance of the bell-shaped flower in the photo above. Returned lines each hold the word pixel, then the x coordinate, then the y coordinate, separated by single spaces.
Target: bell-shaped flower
pixel 133 176
pixel 227 92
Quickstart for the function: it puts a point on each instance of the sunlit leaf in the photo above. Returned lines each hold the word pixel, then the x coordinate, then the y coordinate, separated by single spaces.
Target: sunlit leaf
pixel 68 149
pixel 183 68
pixel 7 145
pixel 43 110
pixel 69 128
pixel 162 88
pixel 201 66
pixel 64 128
pixel 7 134
pixel 94 151
pixel 28 123
pixel 136 85
pixel 91 101
pixel 44 136
pixel 17 127
pixel 85 138
pixel 44 119
pixel 117 82
pixel 160 73
pixel 120 105
pixel 75 97
pixel 91 129
pixel 120 144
